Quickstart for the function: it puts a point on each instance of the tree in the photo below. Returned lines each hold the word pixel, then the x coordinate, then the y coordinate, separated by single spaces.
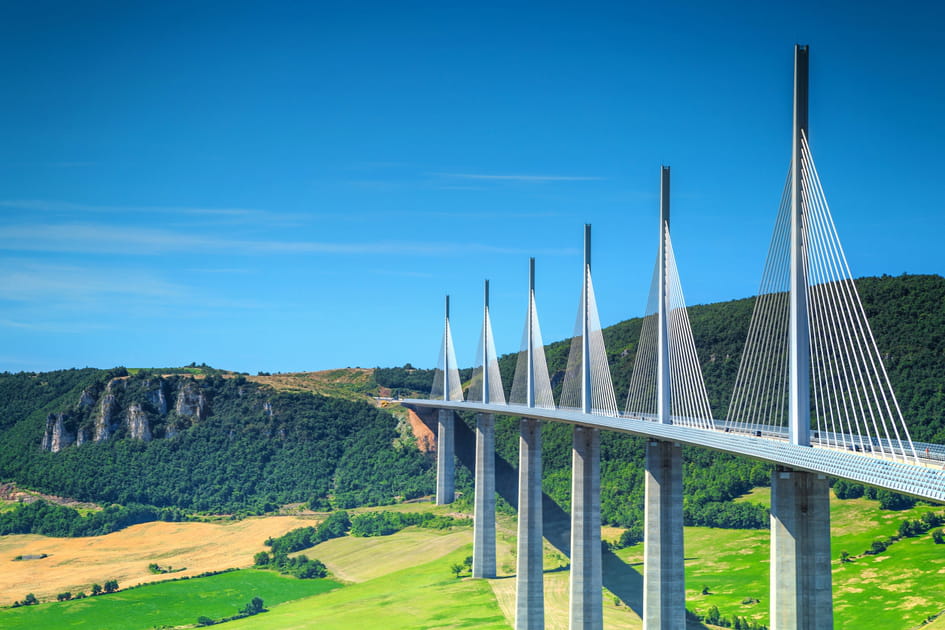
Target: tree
pixel 261 559
pixel 713 616
pixel 205 621
pixel 111 586
pixel 62 597
pixel 939 537
pixel 844 556
pixel 931 519
pixel 29 600
pixel 254 607
pixel 96 589
pixel 889 500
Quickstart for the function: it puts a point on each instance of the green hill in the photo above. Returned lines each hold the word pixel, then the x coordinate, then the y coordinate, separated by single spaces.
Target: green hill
pixel 203 439
pixel 906 314
pixel 209 444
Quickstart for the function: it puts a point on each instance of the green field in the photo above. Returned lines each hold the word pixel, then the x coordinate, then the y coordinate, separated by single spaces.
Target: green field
pixel 165 603
pixel 422 596
pixel 403 581
pixel 895 590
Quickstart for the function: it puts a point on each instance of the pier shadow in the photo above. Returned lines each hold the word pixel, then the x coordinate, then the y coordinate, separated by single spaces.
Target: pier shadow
pixel 618 577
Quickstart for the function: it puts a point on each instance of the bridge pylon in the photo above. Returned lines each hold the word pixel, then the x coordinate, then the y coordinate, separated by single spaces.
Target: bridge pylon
pixel 529 574
pixel 801 588
pixel 446 386
pixel 664 591
pixel 484 561
pixel 587 603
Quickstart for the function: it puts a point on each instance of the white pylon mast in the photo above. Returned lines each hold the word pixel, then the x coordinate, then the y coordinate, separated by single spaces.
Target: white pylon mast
pixel 446 353
pixel 530 388
pixel 585 325
pixel 485 345
pixel 799 405
pixel 663 387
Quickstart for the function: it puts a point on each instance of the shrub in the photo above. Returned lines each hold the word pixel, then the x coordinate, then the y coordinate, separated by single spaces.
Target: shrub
pixel 889 500
pixel 631 536
pixel 908 529
pixel 29 600
pixel 253 608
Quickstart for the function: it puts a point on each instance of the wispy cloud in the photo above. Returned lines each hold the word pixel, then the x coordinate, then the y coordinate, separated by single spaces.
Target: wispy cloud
pixel 70 327
pixel 405 274
pixel 27 281
pixel 40 296
pixel 107 239
pixel 42 205
pixel 520 177
pixel 226 270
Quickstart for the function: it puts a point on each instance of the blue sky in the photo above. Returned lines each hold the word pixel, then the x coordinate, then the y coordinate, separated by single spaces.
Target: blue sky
pixel 267 186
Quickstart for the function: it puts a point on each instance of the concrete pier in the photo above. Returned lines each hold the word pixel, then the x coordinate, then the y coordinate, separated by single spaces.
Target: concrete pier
pixel 445 460
pixel 801 584
pixel 484 518
pixel 664 592
pixel 529 588
pixel 587 604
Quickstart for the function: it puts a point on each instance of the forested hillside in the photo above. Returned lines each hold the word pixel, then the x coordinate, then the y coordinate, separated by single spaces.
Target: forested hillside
pixel 907 314
pixel 249 449
pixel 224 443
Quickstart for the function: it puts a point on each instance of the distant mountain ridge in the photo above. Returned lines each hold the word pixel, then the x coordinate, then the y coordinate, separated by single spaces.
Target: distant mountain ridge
pixel 237 443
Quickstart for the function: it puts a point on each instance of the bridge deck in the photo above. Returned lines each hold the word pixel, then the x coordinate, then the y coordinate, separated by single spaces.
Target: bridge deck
pixel 925 480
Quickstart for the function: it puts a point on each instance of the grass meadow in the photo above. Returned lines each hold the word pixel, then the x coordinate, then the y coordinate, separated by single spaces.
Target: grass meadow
pixel 166 603
pixel 404 581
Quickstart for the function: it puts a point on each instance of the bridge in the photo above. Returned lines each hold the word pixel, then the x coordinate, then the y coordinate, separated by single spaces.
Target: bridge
pixel 811 397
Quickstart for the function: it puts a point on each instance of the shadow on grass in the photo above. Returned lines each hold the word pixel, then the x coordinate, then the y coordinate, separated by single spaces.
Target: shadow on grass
pixel 618 577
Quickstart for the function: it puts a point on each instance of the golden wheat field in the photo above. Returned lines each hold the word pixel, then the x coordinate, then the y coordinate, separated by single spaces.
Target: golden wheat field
pixel 74 564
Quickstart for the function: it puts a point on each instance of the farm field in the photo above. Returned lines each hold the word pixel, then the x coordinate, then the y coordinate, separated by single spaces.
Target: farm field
pixel 166 604
pixel 897 589
pixel 426 595
pixel 74 564
pixel 406 577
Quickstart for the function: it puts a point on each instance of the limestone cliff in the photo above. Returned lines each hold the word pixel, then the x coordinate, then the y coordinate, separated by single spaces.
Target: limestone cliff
pixel 191 402
pixel 137 408
pixel 57 436
pixel 137 422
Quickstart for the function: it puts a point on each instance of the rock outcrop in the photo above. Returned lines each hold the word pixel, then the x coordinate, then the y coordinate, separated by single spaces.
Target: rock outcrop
pixel 157 398
pixel 105 422
pixel 191 402
pixel 135 408
pixel 145 407
pixel 57 436
pixel 137 423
